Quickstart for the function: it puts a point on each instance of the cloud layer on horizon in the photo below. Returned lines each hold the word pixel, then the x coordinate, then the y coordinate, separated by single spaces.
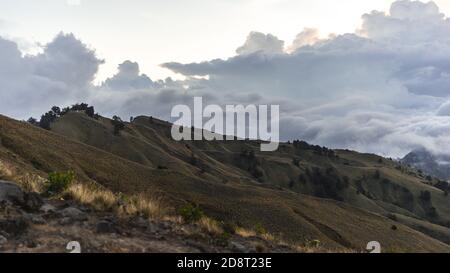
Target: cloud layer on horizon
pixel 383 89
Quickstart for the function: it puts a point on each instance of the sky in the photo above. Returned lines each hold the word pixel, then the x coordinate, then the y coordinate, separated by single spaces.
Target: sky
pixel 372 76
pixel 152 32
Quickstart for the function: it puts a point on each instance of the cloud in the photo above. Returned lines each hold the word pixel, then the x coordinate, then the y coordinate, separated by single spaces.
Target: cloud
pixel 420 35
pixel 29 85
pixel 260 42
pixel 373 90
pixel 444 109
pixel 334 68
pixel 10 55
pixel 308 37
pixel 408 23
pixel 66 59
pixel 128 77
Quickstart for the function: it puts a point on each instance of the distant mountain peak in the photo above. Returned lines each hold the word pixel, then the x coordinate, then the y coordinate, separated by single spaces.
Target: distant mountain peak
pixel 430 163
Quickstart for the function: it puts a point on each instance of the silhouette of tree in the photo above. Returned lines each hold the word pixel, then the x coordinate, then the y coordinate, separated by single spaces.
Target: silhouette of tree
pixel 56 110
pixel 90 111
pixel 118 125
pixel 33 121
pixel 47 119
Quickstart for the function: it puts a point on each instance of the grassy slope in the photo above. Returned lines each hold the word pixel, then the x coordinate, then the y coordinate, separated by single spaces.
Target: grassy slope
pixel 129 163
pixel 149 144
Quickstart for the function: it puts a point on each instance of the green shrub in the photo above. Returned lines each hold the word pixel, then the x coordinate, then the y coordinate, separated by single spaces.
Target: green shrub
pixel 260 229
pixel 59 182
pixel 191 213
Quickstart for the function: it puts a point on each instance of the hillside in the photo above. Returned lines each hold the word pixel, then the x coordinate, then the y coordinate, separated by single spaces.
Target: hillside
pixel 300 193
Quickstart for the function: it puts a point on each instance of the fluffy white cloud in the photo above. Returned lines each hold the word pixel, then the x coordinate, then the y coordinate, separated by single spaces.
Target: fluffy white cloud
pixel 308 37
pixel 419 36
pixel 31 84
pixel 408 23
pixel 260 42
pixel 128 77
pixel 66 59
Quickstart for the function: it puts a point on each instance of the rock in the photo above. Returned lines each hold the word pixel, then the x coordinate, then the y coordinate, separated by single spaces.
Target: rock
pixel 165 225
pixel 153 228
pixel 74 213
pixel 140 222
pixel 3 240
pixel 105 227
pixel 238 248
pixel 38 220
pixel 10 192
pixel 110 218
pixel 15 227
pixel 47 208
pixel 33 201
pixel 31 243
pixel 66 221
pixel 4 234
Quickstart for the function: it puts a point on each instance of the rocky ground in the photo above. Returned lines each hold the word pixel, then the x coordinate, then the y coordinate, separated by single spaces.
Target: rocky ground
pixel 31 223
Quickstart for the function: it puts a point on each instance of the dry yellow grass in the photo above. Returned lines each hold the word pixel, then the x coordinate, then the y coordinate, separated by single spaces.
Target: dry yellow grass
pixel 269 237
pixel 153 208
pixel 149 207
pixel 28 181
pixel 258 231
pixel 246 233
pixel 4 170
pixel 210 226
pixel 99 199
pixel 32 182
pixel 105 200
